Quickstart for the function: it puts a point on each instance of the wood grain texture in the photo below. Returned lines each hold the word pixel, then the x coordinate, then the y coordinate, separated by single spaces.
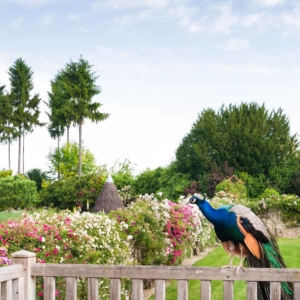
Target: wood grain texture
pixel 205 290
pixel 275 291
pixel 164 272
pixel 297 291
pixel 251 290
pixel 71 288
pixel 228 289
pixel 93 289
pixel 160 289
pixel 137 289
pixel 49 288
pixel 115 289
pixel 182 289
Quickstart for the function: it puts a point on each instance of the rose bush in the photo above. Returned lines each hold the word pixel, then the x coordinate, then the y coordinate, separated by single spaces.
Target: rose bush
pixel 148 232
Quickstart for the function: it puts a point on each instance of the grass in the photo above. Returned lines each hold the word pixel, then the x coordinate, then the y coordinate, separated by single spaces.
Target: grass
pixel 10 215
pixel 289 248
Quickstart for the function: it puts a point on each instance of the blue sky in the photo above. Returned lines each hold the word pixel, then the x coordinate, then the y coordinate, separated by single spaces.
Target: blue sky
pixel 160 63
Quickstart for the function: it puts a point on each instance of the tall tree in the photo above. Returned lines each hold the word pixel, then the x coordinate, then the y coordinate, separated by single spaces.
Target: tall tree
pixel 8 131
pixel 249 137
pixel 60 114
pixel 2 89
pixel 80 85
pixel 25 109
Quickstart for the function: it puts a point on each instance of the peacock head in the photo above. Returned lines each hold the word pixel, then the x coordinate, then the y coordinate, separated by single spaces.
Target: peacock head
pixel 196 199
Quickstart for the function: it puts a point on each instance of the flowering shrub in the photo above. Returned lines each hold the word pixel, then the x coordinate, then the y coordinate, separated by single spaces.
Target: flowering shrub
pixel 148 232
pixel 287 205
pixel 4 260
pixel 67 238
pixel 162 232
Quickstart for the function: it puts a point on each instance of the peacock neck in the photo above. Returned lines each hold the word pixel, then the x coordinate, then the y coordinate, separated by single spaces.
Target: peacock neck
pixel 213 215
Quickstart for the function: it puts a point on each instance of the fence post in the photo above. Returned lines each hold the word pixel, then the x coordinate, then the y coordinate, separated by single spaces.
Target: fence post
pixel 27 259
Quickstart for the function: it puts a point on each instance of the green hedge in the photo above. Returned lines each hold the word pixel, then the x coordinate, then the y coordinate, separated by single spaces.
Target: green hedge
pixel 17 192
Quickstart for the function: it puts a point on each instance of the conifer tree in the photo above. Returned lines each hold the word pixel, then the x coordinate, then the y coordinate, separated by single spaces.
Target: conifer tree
pixel 25 108
pixel 79 83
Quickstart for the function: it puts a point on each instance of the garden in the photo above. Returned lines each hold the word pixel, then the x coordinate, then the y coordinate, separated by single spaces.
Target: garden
pixel 151 230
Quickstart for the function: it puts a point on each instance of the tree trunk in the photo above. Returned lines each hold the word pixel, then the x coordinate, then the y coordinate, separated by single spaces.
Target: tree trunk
pixel 19 155
pixel 23 152
pixel 68 134
pixel 80 152
pixel 58 174
pixel 9 154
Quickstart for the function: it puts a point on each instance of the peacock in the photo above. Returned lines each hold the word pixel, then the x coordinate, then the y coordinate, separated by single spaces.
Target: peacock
pixel 243 234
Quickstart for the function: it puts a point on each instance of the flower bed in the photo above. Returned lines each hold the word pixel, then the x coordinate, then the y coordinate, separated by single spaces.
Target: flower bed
pixel 147 232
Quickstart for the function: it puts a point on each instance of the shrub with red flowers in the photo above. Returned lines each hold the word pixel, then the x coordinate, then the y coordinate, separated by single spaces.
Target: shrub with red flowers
pixel 67 237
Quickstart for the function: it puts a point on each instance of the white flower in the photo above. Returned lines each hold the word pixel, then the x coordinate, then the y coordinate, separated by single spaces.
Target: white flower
pixel 129 237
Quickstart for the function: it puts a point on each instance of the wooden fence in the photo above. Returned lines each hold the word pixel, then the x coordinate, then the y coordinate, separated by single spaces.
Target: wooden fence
pixel 18 280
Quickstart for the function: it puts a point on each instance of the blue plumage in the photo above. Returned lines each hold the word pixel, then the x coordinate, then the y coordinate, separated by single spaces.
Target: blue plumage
pixel 243 234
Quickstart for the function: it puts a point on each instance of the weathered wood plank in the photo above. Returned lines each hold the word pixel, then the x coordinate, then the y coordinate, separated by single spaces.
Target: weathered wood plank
pixel 115 289
pixel 137 289
pixel 93 288
pixel 251 290
pixel 71 288
pixel 49 288
pixel 160 289
pixel 275 291
pixel 228 289
pixel 18 288
pixel 205 290
pixel 297 291
pixel 182 290
pixel 7 290
pixel 163 272
pixel 11 272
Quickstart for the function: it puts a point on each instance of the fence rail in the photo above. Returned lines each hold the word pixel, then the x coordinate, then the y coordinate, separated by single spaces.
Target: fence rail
pixel 18 281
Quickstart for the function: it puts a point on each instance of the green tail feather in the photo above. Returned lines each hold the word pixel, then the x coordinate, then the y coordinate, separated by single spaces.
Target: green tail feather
pixel 276 261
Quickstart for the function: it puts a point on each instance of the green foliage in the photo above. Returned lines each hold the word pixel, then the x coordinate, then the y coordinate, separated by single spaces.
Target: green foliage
pixel 122 173
pixel 162 180
pixel 249 137
pixel 79 86
pixel 236 188
pixel 73 191
pixel 25 108
pixel 17 192
pixel 172 184
pixel 5 173
pixel 148 181
pixel 255 186
pixel 38 176
pixel 65 161
pixel 8 132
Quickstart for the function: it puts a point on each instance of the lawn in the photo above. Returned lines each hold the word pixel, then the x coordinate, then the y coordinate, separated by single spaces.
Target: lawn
pixel 289 248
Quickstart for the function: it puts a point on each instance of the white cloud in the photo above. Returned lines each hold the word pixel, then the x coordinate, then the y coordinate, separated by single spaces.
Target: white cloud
pixel 33 2
pixel 85 30
pixel 224 19
pixel 133 18
pixel 73 17
pixel 268 3
pixel 125 4
pixel 252 19
pixel 297 69
pixel 235 44
pixel 103 49
pixel 254 68
pixel 46 20
pixel 292 18
pixel 17 22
